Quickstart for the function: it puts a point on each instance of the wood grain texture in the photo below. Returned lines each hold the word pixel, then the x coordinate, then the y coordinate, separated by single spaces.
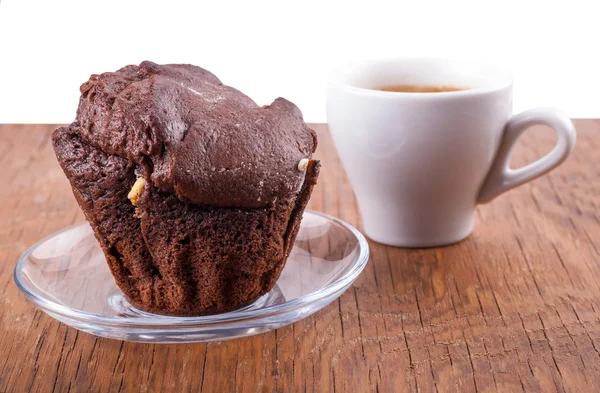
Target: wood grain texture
pixel 514 308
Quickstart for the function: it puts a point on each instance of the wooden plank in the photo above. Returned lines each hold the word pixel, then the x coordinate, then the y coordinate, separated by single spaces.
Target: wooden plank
pixel 515 307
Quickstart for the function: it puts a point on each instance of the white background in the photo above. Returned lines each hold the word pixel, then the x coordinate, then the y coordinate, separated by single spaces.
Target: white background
pixel 282 48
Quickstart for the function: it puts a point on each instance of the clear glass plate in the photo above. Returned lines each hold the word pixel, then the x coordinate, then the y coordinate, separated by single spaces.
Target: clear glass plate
pixel 67 277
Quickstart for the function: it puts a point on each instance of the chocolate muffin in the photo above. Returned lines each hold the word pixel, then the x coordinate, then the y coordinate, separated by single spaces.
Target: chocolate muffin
pixel 194 192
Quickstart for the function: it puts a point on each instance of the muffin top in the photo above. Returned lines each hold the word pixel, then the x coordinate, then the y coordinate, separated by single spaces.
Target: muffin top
pixel 206 142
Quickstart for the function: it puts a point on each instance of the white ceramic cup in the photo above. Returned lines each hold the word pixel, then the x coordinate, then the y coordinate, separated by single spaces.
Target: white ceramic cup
pixel 419 163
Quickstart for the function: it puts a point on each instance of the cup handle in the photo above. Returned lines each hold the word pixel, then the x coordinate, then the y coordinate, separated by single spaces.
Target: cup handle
pixel 501 177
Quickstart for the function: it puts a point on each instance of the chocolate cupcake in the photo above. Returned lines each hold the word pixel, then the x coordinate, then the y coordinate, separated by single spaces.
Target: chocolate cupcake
pixel 194 192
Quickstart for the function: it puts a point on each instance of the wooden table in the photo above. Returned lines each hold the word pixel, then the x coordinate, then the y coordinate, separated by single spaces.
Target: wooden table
pixel 515 307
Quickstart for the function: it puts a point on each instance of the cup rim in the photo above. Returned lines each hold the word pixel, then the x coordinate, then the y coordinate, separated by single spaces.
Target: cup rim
pixel 338 78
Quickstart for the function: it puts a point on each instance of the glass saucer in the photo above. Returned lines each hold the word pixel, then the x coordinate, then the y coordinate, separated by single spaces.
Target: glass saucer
pixel 67 277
